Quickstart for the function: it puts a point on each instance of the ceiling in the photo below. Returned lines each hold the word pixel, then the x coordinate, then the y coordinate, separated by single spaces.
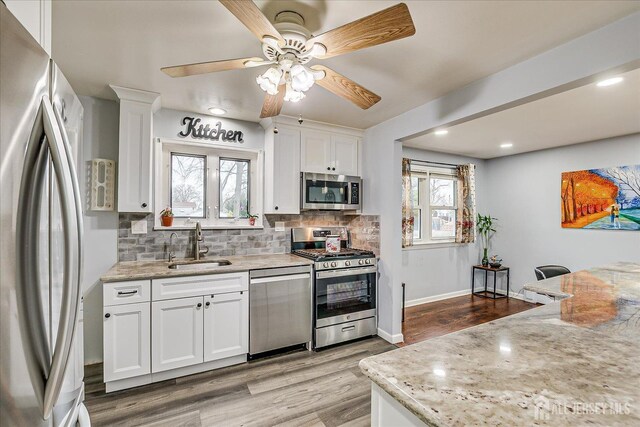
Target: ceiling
pixel 587 113
pixel 456 42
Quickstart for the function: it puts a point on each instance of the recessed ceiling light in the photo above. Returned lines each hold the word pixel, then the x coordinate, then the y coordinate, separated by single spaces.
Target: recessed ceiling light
pixel 506 145
pixel 217 111
pixel 609 82
pixel 441 132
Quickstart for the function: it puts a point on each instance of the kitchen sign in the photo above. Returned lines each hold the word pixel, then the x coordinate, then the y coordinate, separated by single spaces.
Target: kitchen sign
pixel 195 129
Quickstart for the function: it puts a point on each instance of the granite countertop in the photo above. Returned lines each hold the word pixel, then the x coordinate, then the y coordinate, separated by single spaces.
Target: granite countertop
pixel 132 270
pixel 564 363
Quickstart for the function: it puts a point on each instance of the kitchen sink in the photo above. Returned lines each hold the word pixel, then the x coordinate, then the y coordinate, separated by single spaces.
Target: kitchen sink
pixel 199 265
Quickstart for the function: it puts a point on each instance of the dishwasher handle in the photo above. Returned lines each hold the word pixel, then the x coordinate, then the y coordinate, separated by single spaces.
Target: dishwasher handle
pixel 280 278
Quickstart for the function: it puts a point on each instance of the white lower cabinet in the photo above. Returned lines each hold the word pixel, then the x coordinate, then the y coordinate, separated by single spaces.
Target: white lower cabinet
pixel 127 340
pixel 176 333
pixel 186 325
pixel 226 325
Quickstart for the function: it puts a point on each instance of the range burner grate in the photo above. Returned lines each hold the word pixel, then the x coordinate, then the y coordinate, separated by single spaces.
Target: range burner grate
pixel 323 254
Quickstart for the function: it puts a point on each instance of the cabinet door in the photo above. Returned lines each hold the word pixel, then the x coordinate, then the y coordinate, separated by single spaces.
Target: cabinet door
pixel 176 336
pixel 135 159
pixel 226 325
pixel 344 154
pixel 315 153
pixel 282 171
pixel 126 340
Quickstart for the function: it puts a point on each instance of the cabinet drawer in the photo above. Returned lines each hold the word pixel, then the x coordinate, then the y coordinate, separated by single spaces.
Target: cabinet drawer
pixel 191 286
pixel 130 292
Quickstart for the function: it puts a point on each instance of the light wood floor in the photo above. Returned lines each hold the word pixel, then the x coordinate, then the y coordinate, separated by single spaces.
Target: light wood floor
pixel 438 318
pixel 301 388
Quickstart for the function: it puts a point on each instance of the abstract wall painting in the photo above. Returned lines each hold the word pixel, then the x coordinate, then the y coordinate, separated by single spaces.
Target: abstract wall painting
pixel 605 199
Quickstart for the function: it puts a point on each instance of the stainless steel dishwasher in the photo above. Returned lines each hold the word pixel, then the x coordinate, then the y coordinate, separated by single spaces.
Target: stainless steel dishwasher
pixel 280 309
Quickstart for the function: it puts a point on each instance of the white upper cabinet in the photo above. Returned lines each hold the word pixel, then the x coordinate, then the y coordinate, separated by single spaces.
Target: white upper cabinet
pixel 135 184
pixel 35 16
pixel 282 171
pixel 332 153
pixel 344 154
pixel 176 333
pixel 315 154
pixel 226 325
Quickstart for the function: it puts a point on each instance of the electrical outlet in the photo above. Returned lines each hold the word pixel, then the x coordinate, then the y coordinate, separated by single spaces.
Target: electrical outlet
pixel 279 225
pixel 139 226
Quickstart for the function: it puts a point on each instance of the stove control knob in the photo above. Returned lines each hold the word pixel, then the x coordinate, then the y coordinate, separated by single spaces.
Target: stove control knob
pixel 367 261
pixel 334 264
pixel 347 263
pixel 325 265
pixel 361 261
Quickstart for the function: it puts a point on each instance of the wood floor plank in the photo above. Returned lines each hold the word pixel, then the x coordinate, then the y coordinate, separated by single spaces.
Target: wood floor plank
pixel 307 420
pixel 284 404
pixel 189 419
pixel 346 411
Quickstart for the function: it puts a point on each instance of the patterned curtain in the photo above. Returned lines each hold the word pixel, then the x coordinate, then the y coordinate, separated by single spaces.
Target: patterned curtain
pixel 407 208
pixel 466 215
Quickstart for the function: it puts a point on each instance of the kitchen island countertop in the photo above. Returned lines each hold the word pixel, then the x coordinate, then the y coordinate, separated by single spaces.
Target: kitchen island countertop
pixel 571 362
pixel 137 270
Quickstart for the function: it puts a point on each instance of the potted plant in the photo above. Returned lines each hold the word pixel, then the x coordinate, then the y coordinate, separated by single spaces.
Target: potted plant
pixel 166 216
pixel 486 230
pixel 252 219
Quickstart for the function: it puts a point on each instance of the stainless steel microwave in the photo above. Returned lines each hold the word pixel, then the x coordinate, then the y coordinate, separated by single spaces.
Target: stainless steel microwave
pixel 330 192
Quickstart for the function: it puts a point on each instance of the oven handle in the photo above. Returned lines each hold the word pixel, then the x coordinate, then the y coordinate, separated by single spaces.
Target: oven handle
pixel 345 272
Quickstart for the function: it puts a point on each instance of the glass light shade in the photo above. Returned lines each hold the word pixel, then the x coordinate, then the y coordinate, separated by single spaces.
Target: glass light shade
pixel 292 95
pixel 268 81
pixel 301 78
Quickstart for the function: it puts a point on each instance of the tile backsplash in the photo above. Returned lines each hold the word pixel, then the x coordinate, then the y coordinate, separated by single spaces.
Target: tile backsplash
pixel 365 234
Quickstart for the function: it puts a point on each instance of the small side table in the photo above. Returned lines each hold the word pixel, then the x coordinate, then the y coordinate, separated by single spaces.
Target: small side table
pixel 486 293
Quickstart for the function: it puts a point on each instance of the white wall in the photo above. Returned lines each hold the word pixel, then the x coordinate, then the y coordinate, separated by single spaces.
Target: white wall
pixel 428 271
pixel 527 204
pixel 100 140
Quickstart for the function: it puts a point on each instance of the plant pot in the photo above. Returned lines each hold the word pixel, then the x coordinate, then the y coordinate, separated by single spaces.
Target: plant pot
pixel 167 221
pixel 252 221
pixel 485 258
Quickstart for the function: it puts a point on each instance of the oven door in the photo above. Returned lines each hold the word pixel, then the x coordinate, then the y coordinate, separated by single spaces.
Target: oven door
pixel 345 295
pixel 330 192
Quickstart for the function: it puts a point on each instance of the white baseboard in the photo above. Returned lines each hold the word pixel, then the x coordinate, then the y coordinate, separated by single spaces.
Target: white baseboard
pixel 393 339
pixel 434 298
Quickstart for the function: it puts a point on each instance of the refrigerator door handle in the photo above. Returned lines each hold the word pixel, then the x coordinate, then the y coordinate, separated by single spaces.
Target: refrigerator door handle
pixel 69 301
pixel 32 320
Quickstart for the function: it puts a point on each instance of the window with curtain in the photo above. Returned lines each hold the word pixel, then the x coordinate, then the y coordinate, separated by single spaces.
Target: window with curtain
pixel 439 202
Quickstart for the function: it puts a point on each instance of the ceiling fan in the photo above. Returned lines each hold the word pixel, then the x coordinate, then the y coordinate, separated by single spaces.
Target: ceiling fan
pixel 288 46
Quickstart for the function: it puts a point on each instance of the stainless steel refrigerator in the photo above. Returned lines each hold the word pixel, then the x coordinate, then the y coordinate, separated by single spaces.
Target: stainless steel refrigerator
pixel 41 366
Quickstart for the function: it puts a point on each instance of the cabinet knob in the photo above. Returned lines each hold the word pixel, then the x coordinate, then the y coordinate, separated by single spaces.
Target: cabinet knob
pixel 329 168
pixel 207 303
pixel 333 169
pixel 107 315
pixel 276 208
pixel 199 305
pixel 144 205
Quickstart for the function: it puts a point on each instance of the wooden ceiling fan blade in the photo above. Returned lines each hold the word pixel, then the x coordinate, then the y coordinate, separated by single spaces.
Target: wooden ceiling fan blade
pixel 390 24
pixel 346 88
pixel 250 15
pixel 213 66
pixel 273 103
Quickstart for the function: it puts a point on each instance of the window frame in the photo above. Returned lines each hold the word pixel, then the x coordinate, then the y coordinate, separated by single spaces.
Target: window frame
pixel 235 159
pixel 163 148
pixel 424 175
pixel 204 184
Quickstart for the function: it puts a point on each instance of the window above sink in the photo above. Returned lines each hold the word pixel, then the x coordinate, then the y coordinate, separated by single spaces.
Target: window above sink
pixel 213 184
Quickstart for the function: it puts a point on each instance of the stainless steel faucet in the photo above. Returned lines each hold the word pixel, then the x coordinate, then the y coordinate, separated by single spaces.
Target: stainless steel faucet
pixel 198 253
pixel 172 254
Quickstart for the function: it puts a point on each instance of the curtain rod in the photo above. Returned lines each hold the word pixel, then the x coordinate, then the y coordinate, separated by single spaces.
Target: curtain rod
pixel 433 163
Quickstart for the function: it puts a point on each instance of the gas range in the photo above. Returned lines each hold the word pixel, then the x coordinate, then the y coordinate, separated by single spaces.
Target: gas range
pixel 348 257
pixel 344 285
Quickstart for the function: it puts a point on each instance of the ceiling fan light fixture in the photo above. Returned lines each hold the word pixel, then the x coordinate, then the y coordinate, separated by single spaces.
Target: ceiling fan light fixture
pixel 270 80
pixel 301 78
pixel 292 95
